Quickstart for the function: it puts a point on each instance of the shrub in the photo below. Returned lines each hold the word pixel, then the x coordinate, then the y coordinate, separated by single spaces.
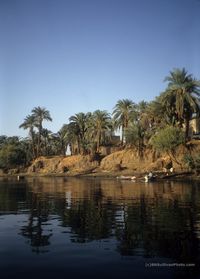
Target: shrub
pixel 168 139
pixel 11 156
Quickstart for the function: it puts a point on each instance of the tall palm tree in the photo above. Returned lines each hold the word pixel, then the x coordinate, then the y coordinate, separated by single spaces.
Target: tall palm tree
pixel 139 127
pixel 60 141
pixel 101 122
pixel 46 136
pixel 80 124
pixel 73 138
pixel 122 115
pixel 182 96
pixel 157 113
pixel 40 114
pixel 63 137
pixel 29 123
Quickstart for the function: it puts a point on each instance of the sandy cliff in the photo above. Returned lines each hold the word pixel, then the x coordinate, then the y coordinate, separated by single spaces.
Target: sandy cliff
pixel 119 161
pixel 59 164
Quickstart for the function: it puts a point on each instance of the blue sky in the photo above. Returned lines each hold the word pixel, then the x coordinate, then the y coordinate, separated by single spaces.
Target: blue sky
pixel 75 56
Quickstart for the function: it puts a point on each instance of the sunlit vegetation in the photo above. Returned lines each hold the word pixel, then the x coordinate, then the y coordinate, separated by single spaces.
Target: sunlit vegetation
pixel 159 124
pixel 167 140
pixel 193 162
pixel 13 152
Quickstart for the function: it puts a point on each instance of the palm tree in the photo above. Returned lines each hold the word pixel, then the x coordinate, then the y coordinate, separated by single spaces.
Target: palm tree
pixel 139 127
pixel 46 136
pixel 101 122
pixel 73 138
pixel 122 114
pixel 63 137
pixel 156 112
pixel 40 114
pixel 80 124
pixel 29 123
pixel 60 141
pixel 182 96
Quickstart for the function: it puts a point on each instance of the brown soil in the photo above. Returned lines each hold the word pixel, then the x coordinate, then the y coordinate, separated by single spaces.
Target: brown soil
pixel 126 162
pixel 59 164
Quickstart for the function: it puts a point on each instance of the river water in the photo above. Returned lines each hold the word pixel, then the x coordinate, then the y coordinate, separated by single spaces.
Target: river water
pixel 99 228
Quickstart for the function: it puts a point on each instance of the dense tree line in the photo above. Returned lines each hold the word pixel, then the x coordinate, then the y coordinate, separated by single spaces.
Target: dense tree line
pixel 142 125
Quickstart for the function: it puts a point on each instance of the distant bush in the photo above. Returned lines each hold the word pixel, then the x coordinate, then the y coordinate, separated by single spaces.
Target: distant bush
pixel 11 156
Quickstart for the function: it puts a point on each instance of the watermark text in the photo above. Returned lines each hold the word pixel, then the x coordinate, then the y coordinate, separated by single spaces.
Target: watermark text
pixel 169 264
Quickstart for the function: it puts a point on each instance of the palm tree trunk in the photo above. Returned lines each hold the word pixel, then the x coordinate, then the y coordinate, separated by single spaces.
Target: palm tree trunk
pixel 45 146
pixel 31 133
pixel 98 140
pixel 122 142
pixel 78 145
pixel 39 139
pixel 63 148
pixel 187 127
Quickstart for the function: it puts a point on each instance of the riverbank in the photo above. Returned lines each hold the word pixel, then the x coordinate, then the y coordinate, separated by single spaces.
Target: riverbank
pixel 120 163
pixel 139 176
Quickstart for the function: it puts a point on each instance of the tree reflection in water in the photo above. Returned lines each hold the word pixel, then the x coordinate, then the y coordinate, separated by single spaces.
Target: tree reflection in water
pixel 39 212
pixel 154 220
pixel 166 230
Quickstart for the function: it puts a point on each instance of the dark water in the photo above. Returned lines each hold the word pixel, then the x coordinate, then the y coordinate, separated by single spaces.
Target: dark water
pixel 91 228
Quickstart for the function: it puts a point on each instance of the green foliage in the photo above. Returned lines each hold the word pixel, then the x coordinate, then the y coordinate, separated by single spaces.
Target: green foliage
pixel 39 139
pixel 181 98
pixel 132 135
pixel 167 139
pixel 11 156
pixel 139 124
pixel 122 114
pixel 100 125
pixel 193 162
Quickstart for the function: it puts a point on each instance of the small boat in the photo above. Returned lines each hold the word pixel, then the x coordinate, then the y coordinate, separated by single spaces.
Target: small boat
pixel 126 177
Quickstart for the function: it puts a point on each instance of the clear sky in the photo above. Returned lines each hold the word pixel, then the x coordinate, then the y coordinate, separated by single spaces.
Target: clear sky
pixel 75 56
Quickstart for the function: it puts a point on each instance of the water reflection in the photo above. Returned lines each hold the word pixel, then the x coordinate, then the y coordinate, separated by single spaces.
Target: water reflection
pixel 159 220
pixel 38 216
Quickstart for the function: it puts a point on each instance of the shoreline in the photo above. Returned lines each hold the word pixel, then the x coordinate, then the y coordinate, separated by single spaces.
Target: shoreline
pixel 108 175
